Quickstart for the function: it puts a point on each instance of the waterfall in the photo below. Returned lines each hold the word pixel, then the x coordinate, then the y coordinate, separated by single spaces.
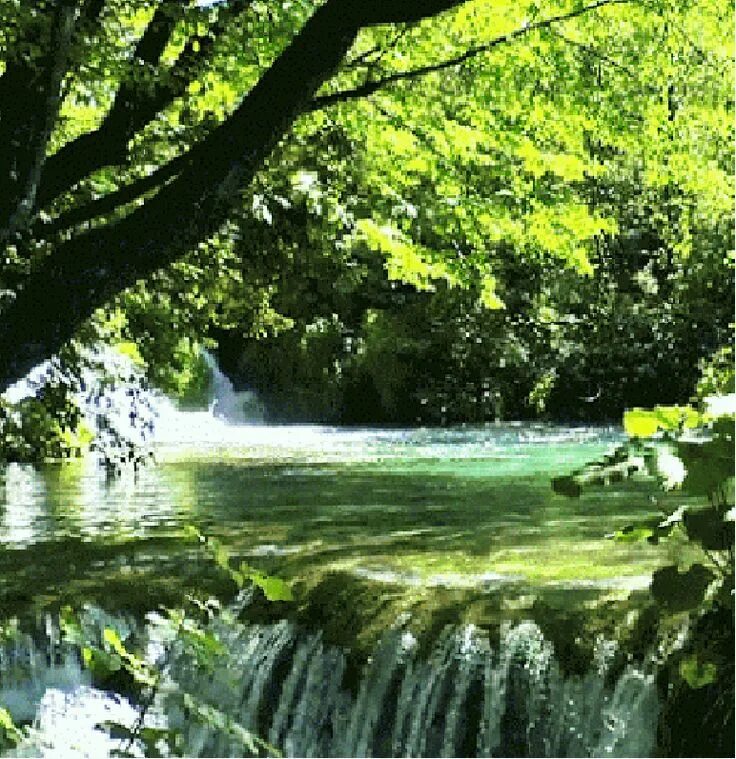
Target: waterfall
pixel 118 406
pixel 234 407
pixel 461 697
pixel 43 682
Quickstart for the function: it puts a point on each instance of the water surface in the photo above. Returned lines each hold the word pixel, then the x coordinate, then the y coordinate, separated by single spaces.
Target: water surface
pixel 469 507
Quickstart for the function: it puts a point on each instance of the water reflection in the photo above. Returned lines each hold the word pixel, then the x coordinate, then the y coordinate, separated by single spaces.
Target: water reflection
pixel 23 505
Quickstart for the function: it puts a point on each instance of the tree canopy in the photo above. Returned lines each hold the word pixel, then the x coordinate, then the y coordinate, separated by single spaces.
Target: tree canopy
pixel 544 159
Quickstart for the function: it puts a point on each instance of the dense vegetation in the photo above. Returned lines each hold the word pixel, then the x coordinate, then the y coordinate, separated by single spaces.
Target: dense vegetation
pixel 690 451
pixel 385 212
pixel 507 210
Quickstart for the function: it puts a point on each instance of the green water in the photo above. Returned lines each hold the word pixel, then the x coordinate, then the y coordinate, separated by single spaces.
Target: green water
pixel 404 512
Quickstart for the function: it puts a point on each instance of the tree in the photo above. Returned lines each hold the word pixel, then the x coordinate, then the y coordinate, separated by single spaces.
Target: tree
pixel 51 48
pixel 80 274
pixel 557 179
pixel 142 124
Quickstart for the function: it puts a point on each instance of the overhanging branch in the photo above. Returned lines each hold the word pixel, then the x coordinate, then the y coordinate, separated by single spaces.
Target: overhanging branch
pixel 370 87
pixel 134 107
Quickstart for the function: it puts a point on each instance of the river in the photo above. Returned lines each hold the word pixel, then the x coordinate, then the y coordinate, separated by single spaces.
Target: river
pixel 437 581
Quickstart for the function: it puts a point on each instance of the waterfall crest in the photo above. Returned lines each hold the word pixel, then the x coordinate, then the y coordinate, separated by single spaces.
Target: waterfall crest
pixel 233 407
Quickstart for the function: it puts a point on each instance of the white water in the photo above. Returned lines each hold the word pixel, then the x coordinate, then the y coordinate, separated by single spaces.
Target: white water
pixel 229 405
pixel 233 423
pixel 464 697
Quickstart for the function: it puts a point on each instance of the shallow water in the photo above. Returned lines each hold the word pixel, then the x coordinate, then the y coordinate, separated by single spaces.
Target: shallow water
pixel 457 508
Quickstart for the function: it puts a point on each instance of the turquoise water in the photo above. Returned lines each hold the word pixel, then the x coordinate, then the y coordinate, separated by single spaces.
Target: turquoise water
pixel 446 601
pixel 451 508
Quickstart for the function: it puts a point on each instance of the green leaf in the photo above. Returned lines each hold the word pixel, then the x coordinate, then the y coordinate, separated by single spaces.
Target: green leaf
pixel 8 727
pixel 274 588
pixel 100 663
pixel 112 638
pixel 633 534
pixel 643 423
pixel 710 463
pixel 697 673
pixel 640 423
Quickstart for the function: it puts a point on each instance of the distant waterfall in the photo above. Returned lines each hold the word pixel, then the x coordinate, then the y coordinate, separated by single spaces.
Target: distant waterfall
pixel 463 697
pixel 231 406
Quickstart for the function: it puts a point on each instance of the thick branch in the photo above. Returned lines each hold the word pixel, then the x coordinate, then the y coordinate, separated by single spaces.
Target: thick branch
pixel 113 201
pixel 26 128
pixel 370 87
pixel 86 272
pixel 135 106
pixel 158 32
pixel 107 144
pixel 191 57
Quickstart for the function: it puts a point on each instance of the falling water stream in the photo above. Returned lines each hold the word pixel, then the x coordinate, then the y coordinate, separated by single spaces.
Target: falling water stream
pixel 452 521
pixel 462 697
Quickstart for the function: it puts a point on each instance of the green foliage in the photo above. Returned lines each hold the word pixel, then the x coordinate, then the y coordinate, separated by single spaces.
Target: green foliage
pixel 717 374
pixel 681 591
pixel 696 460
pixel 533 246
pixel 47 426
pixel 10 733
pixel 710 463
pixel 708 529
pixel 187 636
pixel 644 423
pixel 697 673
pixel 274 588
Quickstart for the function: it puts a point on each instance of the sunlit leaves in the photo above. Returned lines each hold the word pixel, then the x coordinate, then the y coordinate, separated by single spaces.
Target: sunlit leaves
pixel 404 261
pixel 644 423
pixel 273 588
pixel 10 733
pixel 488 295
pixel 696 672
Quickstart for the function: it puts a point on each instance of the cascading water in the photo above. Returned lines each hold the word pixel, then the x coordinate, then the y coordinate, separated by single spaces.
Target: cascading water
pixel 234 407
pixel 464 698
pixel 460 696
pixel 43 682
pixel 118 405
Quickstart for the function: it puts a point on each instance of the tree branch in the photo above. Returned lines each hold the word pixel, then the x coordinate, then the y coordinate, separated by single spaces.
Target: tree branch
pixel 84 273
pixel 29 104
pixel 134 106
pixel 113 201
pixel 595 53
pixel 370 87
pixel 192 56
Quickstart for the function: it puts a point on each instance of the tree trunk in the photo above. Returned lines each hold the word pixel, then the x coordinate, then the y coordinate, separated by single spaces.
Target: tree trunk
pixel 83 273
